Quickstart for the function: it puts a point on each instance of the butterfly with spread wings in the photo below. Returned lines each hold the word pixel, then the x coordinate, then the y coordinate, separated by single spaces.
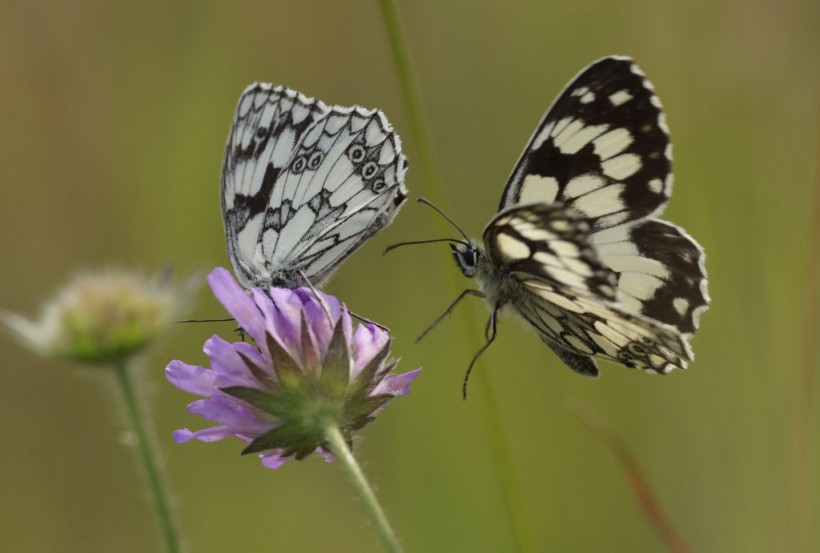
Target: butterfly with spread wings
pixel 304 185
pixel 576 248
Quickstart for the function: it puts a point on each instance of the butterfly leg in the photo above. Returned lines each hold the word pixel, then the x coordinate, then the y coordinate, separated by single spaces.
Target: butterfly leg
pixel 367 321
pixel 316 295
pixel 460 297
pixel 492 326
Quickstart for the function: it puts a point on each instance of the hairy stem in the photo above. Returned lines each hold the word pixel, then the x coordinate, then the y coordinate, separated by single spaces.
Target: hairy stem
pixel 354 472
pixel 148 459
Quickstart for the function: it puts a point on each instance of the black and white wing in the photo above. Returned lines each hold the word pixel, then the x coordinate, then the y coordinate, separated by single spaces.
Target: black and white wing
pixel 569 295
pixel 304 185
pixel 603 154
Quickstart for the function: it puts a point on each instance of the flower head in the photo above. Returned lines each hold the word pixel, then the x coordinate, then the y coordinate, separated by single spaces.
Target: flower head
pixel 101 317
pixel 308 369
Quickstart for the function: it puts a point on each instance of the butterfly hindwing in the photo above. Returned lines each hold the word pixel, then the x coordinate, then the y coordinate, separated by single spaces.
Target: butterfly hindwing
pixel 296 196
pixel 548 243
pixel 343 184
pixel 570 296
pixel 661 272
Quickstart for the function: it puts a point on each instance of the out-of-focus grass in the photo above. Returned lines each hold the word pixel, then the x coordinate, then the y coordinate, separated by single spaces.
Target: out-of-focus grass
pixel 114 120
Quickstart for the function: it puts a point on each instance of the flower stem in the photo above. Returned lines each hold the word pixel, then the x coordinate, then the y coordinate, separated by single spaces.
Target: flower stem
pixel 504 464
pixel 148 459
pixel 354 471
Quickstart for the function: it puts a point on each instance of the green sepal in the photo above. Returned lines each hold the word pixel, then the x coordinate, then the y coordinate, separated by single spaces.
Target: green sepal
pixel 262 376
pixel 286 368
pixel 336 366
pixel 310 355
pixel 365 410
pixel 365 381
pixel 288 436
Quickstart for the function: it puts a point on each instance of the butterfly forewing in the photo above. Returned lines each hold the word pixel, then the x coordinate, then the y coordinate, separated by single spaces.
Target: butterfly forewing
pixel 294 200
pixel 603 149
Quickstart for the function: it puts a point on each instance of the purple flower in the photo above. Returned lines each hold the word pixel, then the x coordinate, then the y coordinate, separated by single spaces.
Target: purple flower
pixel 308 369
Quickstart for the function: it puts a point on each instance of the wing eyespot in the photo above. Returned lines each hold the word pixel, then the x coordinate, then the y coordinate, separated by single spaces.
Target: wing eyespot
pixel 356 153
pixel 370 169
pixel 298 165
pixel 315 160
pixel 378 186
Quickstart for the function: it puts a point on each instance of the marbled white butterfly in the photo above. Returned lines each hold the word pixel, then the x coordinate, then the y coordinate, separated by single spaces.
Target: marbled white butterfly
pixel 576 248
pixel 304 185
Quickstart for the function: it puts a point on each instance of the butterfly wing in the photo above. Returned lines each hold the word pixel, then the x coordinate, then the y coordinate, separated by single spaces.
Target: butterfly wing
pixel 570 296
pixel 268 123
pixel 345 182
pixel 294 203
pixel 603 152
pixel 602 148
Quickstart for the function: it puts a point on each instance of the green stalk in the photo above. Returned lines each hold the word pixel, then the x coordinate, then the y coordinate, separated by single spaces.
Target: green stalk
pixel 374 510
pixel 434 190
pixel 148 459
pixel 412 100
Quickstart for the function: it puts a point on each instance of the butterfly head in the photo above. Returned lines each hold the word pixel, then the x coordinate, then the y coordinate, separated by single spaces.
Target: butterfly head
pixel 467 255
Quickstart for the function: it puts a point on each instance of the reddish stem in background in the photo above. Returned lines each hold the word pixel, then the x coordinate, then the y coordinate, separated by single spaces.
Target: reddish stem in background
pixel 635 477
pixel 801 481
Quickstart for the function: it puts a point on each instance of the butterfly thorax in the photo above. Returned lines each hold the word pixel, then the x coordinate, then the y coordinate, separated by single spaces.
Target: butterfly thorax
pixel 493 281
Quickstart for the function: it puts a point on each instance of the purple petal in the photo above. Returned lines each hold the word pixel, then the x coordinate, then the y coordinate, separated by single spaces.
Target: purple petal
pixel 398 385
pixel 326 455
pixel 367 342
pixel 237 303
pixel 254 356
pixel 229 368
pixel 213 434
pixel 231 412
pixel 287 319
pixel 273 459
pixel 190 378
pixel 321 326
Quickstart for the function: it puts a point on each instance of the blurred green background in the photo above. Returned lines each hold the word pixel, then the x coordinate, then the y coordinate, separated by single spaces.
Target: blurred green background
pixel 114 116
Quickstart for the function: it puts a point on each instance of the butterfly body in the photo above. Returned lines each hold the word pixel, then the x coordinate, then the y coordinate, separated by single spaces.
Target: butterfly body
pixel 576 248
pixel 304 185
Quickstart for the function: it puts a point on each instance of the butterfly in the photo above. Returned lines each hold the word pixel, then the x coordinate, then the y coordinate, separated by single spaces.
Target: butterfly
pixel 304 185
pixel 576 248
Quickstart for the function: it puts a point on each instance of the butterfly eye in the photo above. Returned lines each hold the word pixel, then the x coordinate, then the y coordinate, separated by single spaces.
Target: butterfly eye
pixel 356 153
pixel 298 165
pixel 315 160
pixel 369 170
pixel 378 185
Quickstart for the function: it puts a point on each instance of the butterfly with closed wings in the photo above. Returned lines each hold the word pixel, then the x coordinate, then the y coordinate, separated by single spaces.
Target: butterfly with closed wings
pixel 304 185
pixel 576 248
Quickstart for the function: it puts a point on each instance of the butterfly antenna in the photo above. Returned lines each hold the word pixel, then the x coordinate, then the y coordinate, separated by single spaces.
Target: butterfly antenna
pixel 428 203
pixel 412 242
pixel 206 320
